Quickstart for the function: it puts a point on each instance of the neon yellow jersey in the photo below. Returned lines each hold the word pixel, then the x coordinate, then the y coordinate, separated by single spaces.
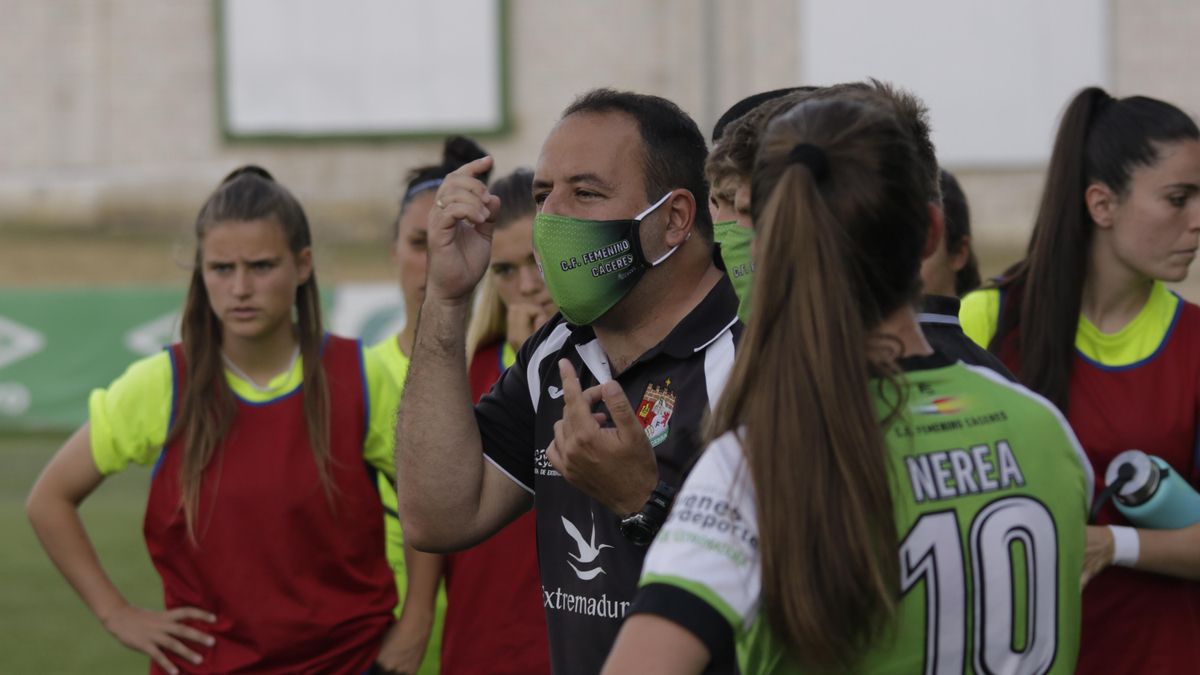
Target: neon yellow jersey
pixel 508 355
pixel 392 363
pixel 1134 342
pixel 129 420
pixel 388 360
pixel 979 313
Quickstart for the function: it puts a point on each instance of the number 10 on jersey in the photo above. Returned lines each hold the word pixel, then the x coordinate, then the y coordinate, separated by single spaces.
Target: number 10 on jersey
pixel 932 551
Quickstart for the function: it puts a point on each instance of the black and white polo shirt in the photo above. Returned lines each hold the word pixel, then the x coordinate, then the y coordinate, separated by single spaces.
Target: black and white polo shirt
pixel 589 570
pixel 939 322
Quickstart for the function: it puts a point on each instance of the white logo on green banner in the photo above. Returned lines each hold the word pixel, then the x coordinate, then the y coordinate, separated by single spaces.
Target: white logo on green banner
pixel 57 345
pixel 150 337
pixel 18 342
pixel 15 399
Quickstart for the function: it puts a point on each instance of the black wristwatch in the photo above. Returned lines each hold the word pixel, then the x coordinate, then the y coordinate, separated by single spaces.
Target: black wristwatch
pixel 641 527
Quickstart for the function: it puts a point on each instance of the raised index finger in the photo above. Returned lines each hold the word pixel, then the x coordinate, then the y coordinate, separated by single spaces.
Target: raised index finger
pixel 576 412
pixel 474 168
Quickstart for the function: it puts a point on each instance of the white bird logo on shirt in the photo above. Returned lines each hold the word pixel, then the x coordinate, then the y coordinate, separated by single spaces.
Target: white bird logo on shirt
pixel 588 550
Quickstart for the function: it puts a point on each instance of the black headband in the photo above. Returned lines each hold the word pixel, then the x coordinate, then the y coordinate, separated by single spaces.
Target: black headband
pixel 813 157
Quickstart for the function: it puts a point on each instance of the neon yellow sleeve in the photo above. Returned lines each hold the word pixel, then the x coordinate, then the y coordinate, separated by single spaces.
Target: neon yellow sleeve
pixel 979 313
pixel 383 390
pixel 129 419
pixel 385 382
pixel 508 356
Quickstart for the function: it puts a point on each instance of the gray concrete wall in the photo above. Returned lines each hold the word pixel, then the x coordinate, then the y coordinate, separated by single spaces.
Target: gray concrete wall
pixel 110 119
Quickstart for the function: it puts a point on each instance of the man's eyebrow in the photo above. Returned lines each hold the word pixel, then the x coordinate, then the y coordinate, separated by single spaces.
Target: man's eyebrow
pixel 1190 187
pixel 591 178
pixel 588 178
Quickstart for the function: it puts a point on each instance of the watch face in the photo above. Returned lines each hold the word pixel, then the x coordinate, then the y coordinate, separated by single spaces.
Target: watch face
pixel 636 529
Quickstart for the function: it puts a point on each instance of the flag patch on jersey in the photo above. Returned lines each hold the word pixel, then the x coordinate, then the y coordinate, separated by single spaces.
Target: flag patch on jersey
pixel 940 405
pixel 654 412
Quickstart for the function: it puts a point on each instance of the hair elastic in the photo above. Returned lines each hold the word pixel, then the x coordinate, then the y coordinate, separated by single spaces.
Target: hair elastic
pixel 813 157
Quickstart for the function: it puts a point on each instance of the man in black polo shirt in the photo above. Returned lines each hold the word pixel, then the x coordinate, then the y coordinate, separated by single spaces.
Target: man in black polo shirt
pixel 599 418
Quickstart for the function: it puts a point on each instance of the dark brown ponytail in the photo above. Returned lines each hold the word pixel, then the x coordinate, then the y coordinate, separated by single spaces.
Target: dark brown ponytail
pixel 841 222
pixel 1100 139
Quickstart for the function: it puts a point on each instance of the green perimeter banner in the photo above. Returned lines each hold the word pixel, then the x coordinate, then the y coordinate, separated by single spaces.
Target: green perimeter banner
pixel 56 346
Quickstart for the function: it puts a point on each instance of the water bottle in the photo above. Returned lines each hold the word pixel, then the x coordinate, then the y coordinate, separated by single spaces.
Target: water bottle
pixel 1150 493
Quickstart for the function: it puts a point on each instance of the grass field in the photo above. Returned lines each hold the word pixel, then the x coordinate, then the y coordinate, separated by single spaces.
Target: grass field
pixel 44 627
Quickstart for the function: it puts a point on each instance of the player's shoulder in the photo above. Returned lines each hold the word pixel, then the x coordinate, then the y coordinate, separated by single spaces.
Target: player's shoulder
pixel 988 382
pixel 982 397
pixel 979 314
pixel 722 470
pixel 148 372
pixel 385 357
pixel 1029 414
pixel 382 348
pixel 722 458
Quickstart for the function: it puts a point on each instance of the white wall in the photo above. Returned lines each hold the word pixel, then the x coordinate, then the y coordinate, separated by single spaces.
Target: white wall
pixel 111 118
pixel 994 74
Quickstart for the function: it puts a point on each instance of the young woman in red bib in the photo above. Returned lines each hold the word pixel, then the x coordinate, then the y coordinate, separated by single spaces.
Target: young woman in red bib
pixel 1086 321
pixel 263 521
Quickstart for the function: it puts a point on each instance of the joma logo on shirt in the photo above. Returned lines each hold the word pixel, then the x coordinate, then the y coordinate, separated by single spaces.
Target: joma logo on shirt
pixel 588 551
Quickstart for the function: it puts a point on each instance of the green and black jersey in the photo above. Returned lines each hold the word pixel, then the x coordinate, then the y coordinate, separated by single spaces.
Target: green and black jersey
pixel 991 493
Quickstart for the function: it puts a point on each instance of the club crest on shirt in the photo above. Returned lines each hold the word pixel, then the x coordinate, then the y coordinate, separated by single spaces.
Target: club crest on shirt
pixel 654 412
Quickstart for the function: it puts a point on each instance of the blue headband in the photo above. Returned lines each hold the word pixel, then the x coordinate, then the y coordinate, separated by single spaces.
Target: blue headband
pixel 424 185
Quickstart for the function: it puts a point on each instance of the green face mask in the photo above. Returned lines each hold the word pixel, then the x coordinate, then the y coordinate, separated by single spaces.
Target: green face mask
pixel 589 265
pixel 734 241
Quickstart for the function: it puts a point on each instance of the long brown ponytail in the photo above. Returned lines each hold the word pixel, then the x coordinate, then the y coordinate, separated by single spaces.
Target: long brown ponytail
pixel 1100 139
pixel 839 248
pixel 207 406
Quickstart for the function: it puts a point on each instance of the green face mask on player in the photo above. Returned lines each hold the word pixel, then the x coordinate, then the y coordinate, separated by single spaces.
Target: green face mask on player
pixel 734 241
pixel 589 265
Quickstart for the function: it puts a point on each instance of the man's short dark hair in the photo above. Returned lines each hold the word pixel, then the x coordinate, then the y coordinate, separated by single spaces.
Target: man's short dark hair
pixel 732 158
pixel 739 109
pixel 673 149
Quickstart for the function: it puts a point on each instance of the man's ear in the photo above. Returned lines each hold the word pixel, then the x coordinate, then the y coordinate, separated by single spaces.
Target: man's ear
pixel 1101 204
pixel 681 217
pixel 936 236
